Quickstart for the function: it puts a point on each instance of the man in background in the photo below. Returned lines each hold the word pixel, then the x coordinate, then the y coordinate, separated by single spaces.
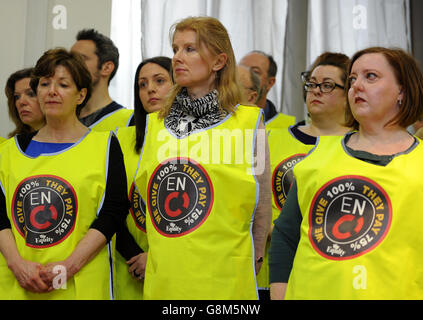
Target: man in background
pixel 265 67
pixel 250 83
pixel 101 57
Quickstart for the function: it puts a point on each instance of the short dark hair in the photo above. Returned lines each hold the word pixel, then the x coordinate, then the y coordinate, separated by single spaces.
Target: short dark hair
pixel 336 59
pixel 255 80
pixel 273 67
pixel 139 111
pixel 409 77
pixel 11 103
pixel 72 61
pixel 105 48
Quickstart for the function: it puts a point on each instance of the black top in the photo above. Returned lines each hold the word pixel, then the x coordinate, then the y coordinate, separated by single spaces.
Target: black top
pixel 269 110
pixel 301 136
pixel 95 116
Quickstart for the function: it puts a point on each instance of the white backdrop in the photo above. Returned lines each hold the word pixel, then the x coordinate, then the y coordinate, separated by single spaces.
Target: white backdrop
pixel 142 27
pixel 352 25
pixel 340 26
pixel 125 32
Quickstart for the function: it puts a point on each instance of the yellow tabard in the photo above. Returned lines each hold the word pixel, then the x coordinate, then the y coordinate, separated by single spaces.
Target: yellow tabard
pixel 280 121
pixel 117 119
pixel 2 140
pixel 361 232
pixel 127 288
pixel 201 198
pixel 285 152
pixel 51 202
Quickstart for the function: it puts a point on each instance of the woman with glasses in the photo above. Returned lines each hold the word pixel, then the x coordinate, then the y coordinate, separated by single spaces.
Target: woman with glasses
pixel 325 97
pixel 326 101
pixel 356 208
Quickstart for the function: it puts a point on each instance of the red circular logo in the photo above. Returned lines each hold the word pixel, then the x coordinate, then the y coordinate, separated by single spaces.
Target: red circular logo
pixel 349 216
pixel 283 177
pixel 137 208
pixel 44 210
pixel 179 197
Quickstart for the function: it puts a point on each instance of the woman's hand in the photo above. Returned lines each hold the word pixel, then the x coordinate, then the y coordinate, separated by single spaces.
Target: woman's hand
pixel 55 274
pixel 27 273
pixel 85 251
pixel 137 265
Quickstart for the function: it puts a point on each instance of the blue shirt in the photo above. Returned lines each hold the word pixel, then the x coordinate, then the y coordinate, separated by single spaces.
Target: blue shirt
pixel 36 148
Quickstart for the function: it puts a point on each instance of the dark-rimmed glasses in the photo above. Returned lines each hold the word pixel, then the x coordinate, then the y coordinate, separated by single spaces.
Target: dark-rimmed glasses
pixel 325 87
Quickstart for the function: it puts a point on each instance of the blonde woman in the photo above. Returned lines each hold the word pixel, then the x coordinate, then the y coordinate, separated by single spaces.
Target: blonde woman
pixel 207 217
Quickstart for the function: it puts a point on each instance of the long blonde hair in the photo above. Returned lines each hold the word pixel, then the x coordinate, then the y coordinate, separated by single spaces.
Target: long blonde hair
pixel 214 36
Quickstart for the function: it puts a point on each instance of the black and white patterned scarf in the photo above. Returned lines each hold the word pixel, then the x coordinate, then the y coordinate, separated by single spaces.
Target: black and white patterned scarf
pixel 187 115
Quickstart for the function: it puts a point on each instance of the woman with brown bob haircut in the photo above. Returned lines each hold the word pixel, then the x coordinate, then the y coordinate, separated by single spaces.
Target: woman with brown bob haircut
pixel 356 208
pixel 407 73
pixel 47 64
pixel 65 190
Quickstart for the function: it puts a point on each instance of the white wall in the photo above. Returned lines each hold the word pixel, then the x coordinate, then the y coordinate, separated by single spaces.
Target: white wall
pixel 12 17
pixel 30 27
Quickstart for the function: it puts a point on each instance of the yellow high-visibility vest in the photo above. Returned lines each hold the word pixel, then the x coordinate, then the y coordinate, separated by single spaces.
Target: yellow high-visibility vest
pixel 116 119
pixel 280 121
pixel 51 202
pixel 128 288
pixel 201 195
pixel 285 151
pixel 360 233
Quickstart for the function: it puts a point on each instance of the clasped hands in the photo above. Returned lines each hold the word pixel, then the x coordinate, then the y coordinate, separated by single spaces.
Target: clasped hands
pixel 38 278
